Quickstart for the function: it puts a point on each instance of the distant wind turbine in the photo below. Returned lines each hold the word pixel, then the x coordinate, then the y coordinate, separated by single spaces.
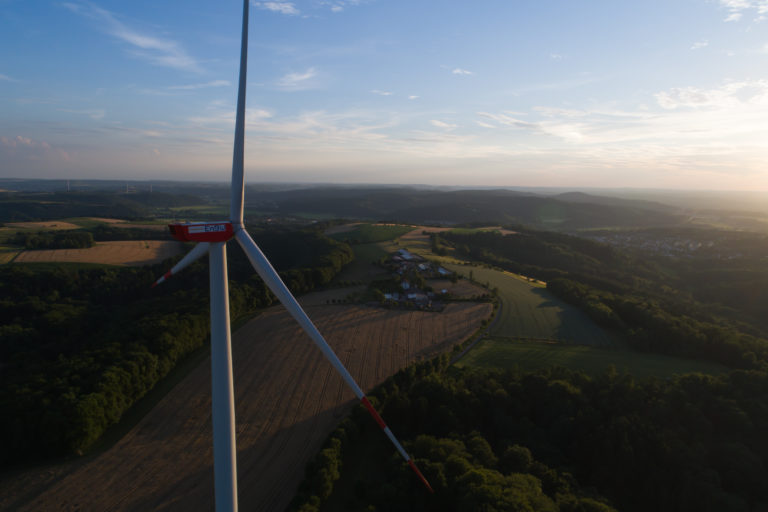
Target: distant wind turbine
pixel 212 238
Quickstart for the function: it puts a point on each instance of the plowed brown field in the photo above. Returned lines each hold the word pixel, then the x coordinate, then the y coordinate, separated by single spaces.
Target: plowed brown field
pixel 128 253
pixel 50 224
pixel 288 400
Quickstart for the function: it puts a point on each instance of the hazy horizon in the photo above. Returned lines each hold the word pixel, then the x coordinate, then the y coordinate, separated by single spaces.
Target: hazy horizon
pixel 604 96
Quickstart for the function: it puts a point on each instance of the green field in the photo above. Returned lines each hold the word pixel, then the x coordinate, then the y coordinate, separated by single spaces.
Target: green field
pixel 362 268
pixel 528 310
pixel 531 355
pixel 370 233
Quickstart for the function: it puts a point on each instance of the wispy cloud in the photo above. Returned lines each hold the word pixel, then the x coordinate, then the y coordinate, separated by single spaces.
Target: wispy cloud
pixel 737 8
pixel 21 148
pixel 555 56
pixel 460 71
pixel 297 81
pixel 729 96
pixel 92 113
pixel 413 97
pixel 442 124
pixel 382 93
pixel 157 50
pixel 340 5
pixel 288 8
pixel 731 115
pixel 698 45
pixel 6 78
pixel 190 87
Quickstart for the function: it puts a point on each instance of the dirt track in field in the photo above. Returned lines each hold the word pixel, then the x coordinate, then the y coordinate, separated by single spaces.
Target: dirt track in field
pixel 288 399
pixel 127 253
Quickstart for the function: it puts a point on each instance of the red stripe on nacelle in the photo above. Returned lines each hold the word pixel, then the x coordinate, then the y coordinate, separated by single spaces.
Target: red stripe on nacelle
pixel 373 412
pixel 202 231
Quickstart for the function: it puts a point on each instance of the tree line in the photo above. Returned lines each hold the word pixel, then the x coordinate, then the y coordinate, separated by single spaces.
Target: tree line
pixel 52 240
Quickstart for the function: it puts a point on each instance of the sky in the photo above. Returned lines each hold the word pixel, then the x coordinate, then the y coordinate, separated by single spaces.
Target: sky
pixel 563 93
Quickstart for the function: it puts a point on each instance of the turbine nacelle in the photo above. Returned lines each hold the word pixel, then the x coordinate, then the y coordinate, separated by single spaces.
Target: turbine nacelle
pixel 211 232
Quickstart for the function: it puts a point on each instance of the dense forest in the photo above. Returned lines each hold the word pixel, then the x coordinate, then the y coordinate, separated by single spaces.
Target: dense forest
pixel 78 347
pixel 555 440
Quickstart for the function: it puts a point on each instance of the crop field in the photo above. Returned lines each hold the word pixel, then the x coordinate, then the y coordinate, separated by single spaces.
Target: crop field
pixel 528 310
pixel 530 355
pixel 418 243
pixel 124 253
pixel 48 225
pixel 288 399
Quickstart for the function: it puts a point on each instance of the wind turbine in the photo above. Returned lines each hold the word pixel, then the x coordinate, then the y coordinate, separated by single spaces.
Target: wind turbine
pixel 212 238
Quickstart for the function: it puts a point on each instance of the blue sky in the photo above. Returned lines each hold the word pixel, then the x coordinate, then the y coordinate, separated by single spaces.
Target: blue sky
pixel 567 93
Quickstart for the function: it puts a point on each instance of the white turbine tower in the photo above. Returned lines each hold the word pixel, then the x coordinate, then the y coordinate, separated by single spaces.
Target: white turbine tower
pixel 212 238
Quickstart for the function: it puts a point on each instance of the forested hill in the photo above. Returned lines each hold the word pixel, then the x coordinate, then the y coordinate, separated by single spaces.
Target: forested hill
pixel 468 206
pixel 566 212
pixel 555 441
pixel 20 207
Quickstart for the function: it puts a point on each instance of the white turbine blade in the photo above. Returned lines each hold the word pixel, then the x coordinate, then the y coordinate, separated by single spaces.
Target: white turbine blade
pixel 196 252
pixel 238 158
pixel 222 387
pixel 267 272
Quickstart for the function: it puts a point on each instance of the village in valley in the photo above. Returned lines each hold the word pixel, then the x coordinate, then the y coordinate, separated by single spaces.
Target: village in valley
pixel 408 286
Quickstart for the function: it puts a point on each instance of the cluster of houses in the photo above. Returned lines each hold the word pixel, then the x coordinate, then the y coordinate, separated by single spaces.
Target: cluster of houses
pixel 671 245
pixel 410 271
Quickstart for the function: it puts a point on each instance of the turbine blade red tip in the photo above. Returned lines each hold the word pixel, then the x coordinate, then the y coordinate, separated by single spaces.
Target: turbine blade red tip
pixel 384 427
pixel 421 477
pixel 373 412
pixel 162 279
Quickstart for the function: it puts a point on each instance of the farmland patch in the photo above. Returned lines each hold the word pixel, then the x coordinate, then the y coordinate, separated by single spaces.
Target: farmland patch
pixel 48 224
pixel 125 253
pixel 288 399
pixel 531 355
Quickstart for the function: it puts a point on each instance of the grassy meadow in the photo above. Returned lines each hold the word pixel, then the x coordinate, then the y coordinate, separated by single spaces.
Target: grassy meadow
pixel 529 311
pixel 507 353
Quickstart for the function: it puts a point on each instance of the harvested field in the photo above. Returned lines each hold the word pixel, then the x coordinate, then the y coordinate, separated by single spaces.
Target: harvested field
pixel 124 253
pixel 157 227
pixel 288 399
pixel 49 224
pixel 418 234
pixel 106 220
